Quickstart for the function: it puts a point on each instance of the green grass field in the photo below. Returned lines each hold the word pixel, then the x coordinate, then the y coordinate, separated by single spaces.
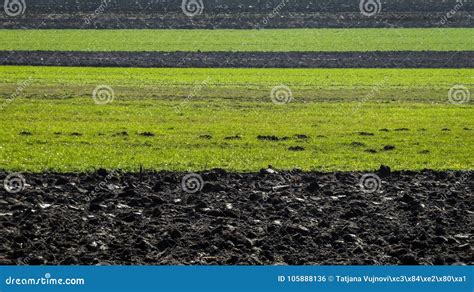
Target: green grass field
pixel 403 85
pixel 416 39
pixel 52 123
pixel 204 118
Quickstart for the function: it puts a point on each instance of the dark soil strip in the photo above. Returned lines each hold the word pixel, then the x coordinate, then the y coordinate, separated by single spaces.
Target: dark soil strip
pixel 463 59
pixel 237 20
pixel 232 6
pixel 290 218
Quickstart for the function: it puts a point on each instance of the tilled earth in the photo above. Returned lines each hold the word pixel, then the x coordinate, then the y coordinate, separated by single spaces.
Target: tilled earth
pixel 235 20
pixel 288 218
pixel 405 59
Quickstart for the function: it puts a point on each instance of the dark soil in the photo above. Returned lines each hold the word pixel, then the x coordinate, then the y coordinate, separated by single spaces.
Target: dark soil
pixel 292 218
pixel 237 20
pixel 232 6
pixel 407 59
pixel 141 14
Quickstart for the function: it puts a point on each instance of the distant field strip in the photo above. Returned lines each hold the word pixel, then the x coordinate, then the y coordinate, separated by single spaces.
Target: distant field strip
pixel 433 78
pixel 268 40
pixel 397 59
pixel 306 84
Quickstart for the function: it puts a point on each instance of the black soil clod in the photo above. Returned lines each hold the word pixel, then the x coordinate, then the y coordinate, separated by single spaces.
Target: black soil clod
pixel 123 134
pixel 384 171
pixel 365 134
pixel 236 137
pixel 301 137
pixel 147 134
pixel 212 188
pixel 102 172
pixel 296 148
pixel 388 148
pixel 313 187
pixel 357 144
pixel 268 138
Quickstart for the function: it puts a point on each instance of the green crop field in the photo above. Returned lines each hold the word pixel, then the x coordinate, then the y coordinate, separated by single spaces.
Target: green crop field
pixel 193 119
pixel 428 85
pixel 435 39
